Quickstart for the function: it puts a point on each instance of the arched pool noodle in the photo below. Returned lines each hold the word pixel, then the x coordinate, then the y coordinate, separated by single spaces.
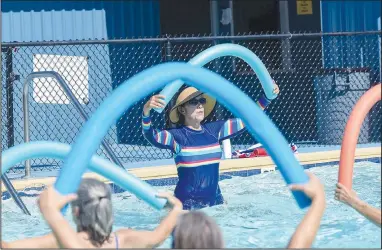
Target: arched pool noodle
pixel 351 133
pixel 154 78
pixel 97 164
pixel 221 50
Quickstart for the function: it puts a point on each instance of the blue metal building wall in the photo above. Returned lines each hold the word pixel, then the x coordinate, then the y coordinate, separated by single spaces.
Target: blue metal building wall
pixel 125 19
pixel 70 20
pixel 347 16
pixel 350 15
pixel 57 25
pixel 47 25
pixel 132 19
pixel 362 51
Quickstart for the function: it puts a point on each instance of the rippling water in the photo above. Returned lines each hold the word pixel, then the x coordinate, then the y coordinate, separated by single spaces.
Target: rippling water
pixel 260 212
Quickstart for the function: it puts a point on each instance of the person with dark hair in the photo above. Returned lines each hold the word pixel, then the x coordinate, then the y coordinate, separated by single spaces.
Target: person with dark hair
pixel 196 145
pixel 196 230
pixel 93 215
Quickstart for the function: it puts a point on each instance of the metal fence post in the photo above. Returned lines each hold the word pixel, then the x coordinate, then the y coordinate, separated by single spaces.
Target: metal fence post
pixel 168 49
pixel 285 43
pixel 380 50
pixel 10 132
pixel 9 95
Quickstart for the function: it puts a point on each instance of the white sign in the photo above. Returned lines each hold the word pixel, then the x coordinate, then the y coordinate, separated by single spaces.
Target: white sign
pixel 226 16
pixel 73 69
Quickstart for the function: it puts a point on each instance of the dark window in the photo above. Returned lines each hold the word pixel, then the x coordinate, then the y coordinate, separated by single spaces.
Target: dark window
pixel 256 16
pixel 185 17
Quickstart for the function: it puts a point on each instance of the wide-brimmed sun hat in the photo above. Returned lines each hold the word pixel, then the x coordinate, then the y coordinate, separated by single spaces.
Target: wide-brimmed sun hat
pixel 188 94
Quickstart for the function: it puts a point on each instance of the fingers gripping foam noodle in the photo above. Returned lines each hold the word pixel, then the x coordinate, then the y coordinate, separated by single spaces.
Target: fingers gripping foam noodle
pixel 219 51
pixel 153 79
pixel 352 129
pixel 97 164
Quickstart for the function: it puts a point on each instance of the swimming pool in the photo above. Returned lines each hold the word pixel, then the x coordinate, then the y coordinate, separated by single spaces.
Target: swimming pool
pixel 260 212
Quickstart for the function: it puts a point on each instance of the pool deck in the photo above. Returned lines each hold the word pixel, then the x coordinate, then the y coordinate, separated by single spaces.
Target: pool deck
pixel 165 173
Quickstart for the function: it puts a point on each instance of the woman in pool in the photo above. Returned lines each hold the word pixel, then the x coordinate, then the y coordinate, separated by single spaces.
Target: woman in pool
pixel 196 145
pixel 196 230
pixel 93 216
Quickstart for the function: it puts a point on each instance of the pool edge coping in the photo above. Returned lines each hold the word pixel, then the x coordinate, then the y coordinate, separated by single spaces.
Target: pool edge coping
pixel 167 174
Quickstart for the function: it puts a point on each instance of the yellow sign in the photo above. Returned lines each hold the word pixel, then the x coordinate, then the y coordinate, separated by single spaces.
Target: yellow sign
pixel 304 7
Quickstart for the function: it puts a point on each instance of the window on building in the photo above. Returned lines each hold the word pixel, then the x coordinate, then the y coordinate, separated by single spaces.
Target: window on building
pixel 256 16
pixel 248 16
pixel 185 17
pixel 74 69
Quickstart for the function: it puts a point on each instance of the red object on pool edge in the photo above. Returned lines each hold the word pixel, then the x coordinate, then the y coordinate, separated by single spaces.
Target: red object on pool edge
pixel 258 152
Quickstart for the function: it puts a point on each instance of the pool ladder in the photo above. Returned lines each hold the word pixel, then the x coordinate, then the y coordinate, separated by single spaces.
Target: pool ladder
pixel 72 98
pixel 12 191
pixel 7 183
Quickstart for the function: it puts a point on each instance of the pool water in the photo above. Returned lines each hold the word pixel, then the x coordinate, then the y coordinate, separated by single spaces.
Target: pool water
pixel 260 212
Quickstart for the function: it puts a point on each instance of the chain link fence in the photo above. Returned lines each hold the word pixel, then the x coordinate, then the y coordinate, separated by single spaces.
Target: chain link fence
pixel 321 77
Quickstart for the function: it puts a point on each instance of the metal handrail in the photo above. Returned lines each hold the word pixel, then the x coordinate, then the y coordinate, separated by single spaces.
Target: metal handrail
pixel 72 98
pixel 12 191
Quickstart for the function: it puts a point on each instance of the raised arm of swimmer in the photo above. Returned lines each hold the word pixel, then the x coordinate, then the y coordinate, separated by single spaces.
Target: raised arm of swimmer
pixel 350 198
pixel 307 230
pixel 93 215
pixel 52 202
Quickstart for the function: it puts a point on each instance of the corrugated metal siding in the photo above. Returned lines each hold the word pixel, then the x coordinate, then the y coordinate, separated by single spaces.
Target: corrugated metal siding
pixel 354 51
pixel 80 19
pixel 347 16
pixel 53 25
pixel 70 20
pixel 350 15
pixel 47 21
pixel 133 18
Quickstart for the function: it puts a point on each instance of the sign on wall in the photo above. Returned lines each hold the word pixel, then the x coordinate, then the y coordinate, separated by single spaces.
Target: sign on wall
pixel 74 69
pixel 304 7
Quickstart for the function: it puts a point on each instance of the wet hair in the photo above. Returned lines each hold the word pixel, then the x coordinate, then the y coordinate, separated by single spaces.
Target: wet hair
pixel 95 214
pixel 196 230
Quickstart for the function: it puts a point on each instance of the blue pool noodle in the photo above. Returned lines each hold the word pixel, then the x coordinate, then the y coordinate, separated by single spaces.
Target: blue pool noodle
pixel 97 164
pixel 155 78
pixel 221 50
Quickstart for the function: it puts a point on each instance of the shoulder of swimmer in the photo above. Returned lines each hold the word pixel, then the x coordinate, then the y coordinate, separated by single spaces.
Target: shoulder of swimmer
pixel 135 239
pixel 46 241
pixel 84 238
